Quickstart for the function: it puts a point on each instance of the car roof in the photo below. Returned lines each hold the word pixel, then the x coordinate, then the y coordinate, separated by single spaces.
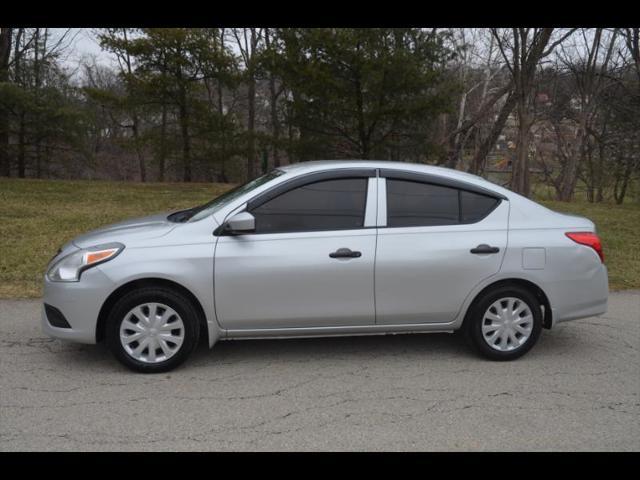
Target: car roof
pixel 324 165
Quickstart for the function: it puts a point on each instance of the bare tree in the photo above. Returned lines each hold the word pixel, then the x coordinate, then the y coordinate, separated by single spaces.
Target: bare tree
pixel 17 78
pixel 632 41
pixel 5 55
pixel 496 129
pixel 274 94
pixel 588 62
pixel 482 78
pixel 477 70
pixel 248 41
pixel 522 50
pixel 118 40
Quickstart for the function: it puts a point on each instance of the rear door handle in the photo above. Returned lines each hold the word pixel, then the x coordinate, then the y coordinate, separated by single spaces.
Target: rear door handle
pixel 345 253
pixel 484 248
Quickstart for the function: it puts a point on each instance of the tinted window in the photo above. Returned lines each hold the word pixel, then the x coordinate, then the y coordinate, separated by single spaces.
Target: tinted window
pixel 476 206
pixel 328 205
pixel 420 204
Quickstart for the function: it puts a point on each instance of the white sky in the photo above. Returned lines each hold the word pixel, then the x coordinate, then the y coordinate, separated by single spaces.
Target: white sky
pixel 81 43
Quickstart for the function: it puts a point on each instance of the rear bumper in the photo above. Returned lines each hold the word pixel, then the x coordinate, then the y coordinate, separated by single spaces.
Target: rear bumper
pixel 581 298
pixel 79 303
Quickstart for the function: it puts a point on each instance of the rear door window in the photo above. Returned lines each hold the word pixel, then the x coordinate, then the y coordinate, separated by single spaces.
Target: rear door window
pixel 413 204
pixel 418 204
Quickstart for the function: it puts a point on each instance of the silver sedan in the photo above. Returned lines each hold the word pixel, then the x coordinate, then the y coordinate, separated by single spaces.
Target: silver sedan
pixel 324 249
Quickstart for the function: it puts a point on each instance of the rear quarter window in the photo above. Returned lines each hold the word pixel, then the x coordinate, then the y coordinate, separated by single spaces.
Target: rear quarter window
pixel 474 206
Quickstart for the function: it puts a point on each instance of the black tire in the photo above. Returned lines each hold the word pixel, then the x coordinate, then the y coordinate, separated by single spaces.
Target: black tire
pixel 163 295
pixel 472 327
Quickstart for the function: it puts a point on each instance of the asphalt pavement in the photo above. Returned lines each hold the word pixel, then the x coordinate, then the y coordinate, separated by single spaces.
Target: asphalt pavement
pixel 578 389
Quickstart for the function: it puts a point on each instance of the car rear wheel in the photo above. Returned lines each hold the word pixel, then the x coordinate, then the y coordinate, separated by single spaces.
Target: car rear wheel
pixel 504 323
pixel 152 330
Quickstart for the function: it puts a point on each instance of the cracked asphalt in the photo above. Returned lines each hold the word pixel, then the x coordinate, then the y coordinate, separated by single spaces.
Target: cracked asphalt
pixel 578 389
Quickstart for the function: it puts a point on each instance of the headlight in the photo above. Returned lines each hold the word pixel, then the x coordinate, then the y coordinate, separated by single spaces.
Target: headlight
pixel 69 268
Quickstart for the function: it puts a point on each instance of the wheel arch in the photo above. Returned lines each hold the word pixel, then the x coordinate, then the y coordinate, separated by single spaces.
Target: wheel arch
pixel 547 319
pixel 148 282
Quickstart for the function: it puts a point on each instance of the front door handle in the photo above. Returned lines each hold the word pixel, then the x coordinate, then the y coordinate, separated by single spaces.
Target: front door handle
pixel 484 248
pixel 345 253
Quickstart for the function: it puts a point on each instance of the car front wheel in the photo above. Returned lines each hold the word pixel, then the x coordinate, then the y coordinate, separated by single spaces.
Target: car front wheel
pixel 152 330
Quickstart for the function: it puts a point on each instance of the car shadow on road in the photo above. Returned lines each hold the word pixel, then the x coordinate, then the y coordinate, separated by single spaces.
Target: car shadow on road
pixel 442 345
pixel 435 347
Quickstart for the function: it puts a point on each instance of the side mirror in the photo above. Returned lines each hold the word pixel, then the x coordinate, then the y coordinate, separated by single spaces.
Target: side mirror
pixel 242 222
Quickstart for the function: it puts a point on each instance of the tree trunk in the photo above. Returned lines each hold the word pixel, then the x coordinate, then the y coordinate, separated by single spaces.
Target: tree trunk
pixel 520 167
pixel 21 146
pixel 186 142
pixel 273 104
pixel 362 134
pixel 525 55
pixel 251 93
pixel 591 180
pixel 275 124
pixel 163 144
pixel 47 160
pixel 222 175
pixel 569 176
pixel 17 73
pixel 5 53
pixel 487 145
pixel 136 120
pixel 36 69
pixel 251 145
pixel 620 194
pixel 599 195
pixel 138 147
pixel 458 144
pixel 290 138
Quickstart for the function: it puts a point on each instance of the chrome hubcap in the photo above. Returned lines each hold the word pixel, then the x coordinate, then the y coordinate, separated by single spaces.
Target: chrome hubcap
pixel 507 324
pixel 152 332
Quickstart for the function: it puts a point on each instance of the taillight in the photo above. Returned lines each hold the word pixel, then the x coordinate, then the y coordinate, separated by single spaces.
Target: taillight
pixel 589 239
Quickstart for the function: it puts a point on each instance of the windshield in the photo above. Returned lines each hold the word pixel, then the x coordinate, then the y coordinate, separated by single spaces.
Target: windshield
pixel 202 211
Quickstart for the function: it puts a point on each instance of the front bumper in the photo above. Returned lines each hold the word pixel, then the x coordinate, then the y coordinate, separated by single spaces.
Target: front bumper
pixel 79 302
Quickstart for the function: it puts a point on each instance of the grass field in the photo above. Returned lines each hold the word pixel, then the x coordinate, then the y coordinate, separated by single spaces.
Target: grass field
pixel 38 216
